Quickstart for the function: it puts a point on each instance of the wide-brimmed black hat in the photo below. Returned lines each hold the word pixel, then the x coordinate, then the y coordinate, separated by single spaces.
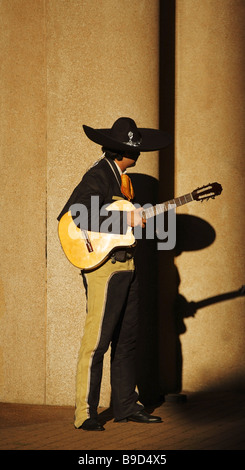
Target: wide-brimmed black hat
pixel 124 135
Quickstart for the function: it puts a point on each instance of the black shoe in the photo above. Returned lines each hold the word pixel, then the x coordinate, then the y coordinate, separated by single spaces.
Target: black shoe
pixel 91 424
pixel 141 417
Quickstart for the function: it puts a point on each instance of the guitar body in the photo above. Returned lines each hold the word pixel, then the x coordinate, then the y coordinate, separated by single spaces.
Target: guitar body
pixel 88 250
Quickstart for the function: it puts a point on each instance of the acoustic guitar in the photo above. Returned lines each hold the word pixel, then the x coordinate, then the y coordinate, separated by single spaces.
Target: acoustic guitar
pixel 87 250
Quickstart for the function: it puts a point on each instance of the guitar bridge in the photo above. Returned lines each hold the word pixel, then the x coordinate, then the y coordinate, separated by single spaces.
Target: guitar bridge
pixel 87 241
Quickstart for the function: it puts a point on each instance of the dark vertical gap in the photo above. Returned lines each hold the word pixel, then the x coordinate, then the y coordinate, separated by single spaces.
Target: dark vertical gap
pixel 156 349
pixel 167 95
pixel 169 377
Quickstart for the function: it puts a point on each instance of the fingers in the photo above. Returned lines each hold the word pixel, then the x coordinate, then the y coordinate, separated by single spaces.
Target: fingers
pixel 135 219
pixel 142 220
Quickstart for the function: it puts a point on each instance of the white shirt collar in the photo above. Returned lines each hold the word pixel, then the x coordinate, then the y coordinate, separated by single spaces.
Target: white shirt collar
pixel 118 167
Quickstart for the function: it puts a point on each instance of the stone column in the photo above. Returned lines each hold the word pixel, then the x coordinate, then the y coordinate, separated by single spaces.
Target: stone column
pixel 23 195
pixel 65 63
pixel 102 63
pixel 210 142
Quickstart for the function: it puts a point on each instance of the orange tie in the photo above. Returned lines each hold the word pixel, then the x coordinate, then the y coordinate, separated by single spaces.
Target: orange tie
pixel 126 187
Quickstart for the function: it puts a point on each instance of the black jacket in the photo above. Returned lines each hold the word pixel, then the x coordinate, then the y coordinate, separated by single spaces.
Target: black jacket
pixel 102 181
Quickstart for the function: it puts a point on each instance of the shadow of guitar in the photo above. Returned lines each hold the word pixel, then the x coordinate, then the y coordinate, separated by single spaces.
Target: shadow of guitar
pixel 185 309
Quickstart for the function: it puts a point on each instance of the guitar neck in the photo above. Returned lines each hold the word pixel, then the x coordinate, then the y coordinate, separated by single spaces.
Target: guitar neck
pixel 165 206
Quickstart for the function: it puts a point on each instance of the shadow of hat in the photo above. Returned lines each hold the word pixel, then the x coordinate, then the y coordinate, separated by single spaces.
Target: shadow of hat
pixel 192 233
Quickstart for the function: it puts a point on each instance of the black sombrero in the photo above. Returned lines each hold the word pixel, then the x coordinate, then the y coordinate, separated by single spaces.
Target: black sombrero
pixel 124 135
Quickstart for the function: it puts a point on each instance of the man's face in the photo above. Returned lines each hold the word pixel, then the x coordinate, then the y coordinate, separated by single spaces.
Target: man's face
pixel 129 161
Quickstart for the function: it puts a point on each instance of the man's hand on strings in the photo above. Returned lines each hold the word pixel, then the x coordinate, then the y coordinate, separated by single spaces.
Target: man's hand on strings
pixel 135 218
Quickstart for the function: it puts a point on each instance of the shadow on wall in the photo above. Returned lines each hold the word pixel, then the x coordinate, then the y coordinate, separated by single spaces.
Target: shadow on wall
pixel 192 233
pixel 162 308
pixel 146 259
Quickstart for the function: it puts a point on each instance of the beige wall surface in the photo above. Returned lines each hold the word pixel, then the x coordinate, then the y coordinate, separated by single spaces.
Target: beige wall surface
pixel 99 66
pixel 65 63
pixel 23 201
pixel 210 142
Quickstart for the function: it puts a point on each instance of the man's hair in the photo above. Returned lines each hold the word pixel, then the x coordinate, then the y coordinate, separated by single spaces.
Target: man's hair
pixel 112 154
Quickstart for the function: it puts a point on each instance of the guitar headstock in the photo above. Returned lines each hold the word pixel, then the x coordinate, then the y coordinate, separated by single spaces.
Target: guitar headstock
pixel 211 190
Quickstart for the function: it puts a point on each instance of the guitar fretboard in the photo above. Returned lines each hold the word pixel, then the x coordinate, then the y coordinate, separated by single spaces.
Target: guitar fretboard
pixel 165 206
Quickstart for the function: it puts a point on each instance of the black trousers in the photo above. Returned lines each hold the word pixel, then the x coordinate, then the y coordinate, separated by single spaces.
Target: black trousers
pixel 112 319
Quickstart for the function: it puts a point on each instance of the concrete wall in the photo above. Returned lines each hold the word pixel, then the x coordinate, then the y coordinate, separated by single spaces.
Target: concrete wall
pixel 209 146
pixel 23 201
pixel 65 63
pixel 71 62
